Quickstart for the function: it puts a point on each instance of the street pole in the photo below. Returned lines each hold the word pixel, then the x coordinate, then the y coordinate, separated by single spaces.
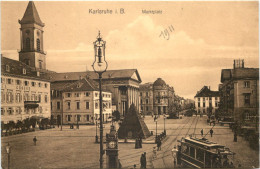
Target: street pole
pixel 156 131
pixel 8 166
pixel 96 132
pixel 101 120
pixel 164 124
pixel 61 120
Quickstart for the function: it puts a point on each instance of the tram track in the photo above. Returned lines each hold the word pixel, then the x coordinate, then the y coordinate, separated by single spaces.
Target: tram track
pixel 168 149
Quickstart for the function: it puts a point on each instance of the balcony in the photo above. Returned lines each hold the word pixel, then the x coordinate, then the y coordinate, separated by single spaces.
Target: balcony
pixel 31 104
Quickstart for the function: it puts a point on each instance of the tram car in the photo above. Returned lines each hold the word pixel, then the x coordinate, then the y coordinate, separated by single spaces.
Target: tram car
pixel 201 153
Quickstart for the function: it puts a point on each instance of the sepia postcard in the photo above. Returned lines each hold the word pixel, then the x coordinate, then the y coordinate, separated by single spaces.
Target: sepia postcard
pixel 129 84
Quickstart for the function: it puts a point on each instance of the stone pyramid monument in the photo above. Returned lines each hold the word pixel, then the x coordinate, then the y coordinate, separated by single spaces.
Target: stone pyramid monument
pixel 133 125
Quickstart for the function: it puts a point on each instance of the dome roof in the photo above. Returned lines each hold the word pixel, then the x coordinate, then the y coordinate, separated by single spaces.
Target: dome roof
pixel 159 82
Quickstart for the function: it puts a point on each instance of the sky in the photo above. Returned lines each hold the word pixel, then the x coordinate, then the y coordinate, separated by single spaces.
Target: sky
pixel 203 38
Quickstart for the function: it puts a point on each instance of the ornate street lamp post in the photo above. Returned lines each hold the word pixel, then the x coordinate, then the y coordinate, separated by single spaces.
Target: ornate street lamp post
pixel 96 131
pixel 164 117
pixel 156 131
pixel 8 148
pixel 100 66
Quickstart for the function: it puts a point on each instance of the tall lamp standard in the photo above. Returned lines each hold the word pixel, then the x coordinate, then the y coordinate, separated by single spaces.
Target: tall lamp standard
pixel 100 66
pixel 96 131
pixel 8 148
pixel 156 130
pixel 164 117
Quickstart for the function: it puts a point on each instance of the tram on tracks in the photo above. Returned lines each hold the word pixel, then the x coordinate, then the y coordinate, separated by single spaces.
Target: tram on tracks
pixel 201 153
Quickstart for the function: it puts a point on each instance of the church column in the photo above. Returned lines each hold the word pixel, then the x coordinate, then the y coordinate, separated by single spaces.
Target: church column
pixel 128 97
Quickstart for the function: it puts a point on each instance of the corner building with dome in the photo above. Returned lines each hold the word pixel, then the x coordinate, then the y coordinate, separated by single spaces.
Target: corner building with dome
pixel 156 97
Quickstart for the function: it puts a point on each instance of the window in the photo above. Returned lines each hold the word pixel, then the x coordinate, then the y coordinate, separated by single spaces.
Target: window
pixel 216 98
pixel 159 100
pixel 77 94
pixel 9 97
pixel 78 117
pixel 39 84
pixel 27 61
pixel 147 101
pixel 141 101
pixel 87 105
pixel 204 99
pixel 210 98
pixel 26 96
pixel 96 94
pixel 216 104
pixel 199 99
pixel 147 108
pixel 45 85
pixel 9 81
pixel 40 98
pixel 147 94
pixel 247 99
pixel 87 94
pixel 69 118
pixel 68 95
pixel 204 105
pixel 199 104
pixel 18 97
pixel 24 71
pixel 68 105
pixel 40 64
pixel 247 116
pixel 58 105
pixel 26 83
pixel 96 105
pixel 46 98
pixel 27 44
pixel 78 105
pixel 18 82
pixel 2 96
pixel 7 68
pixel 38 44
pixel 247 84
pixel 2 111
pixel 9 111
pixel 87 117
pixel 141 94
pixel 210 104
pixel 33 83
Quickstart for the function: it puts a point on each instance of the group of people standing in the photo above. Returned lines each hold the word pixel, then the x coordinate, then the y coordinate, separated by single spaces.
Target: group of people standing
pixel 143 160
pixel 211 132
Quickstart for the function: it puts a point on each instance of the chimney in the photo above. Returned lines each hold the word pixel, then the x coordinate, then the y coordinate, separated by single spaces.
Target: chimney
pixel 209 87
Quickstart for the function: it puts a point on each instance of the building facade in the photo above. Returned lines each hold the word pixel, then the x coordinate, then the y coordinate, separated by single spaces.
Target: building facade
pixel 155 98
pixel 79 103
pixel 123 84
pixel 24 92
pixel 206 101
pixel 240 93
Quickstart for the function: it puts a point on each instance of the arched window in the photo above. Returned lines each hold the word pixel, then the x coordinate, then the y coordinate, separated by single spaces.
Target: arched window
pixel 38 45
pixel 27 44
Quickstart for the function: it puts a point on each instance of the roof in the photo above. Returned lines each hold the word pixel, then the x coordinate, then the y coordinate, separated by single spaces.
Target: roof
pixel 206 92
pixel 109 74
pixel 239 73
pixel 159 82
pixel 82 85
pixel 31 15
pixel 146 86
pixel 16 69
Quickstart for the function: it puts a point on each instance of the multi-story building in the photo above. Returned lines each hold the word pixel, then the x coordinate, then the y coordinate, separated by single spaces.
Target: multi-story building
pixel 156 97
pixel 24 92
pixel 146 98
pixel 206 101
pixel 123 84
pixel 240 93
pixel 79 103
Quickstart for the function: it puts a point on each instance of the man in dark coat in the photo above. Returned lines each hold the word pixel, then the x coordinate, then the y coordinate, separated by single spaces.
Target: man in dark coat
pixel 144 159
pixel 34 140
pixel 211 132
pixel 201 131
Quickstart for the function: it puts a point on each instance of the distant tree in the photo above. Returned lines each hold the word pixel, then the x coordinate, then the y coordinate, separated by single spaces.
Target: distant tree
pixel 116 115
pixel 33 121
pixel 27 123
pixel 18 125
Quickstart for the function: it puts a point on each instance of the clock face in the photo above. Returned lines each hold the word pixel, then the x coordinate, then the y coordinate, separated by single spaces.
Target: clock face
pixel 112 144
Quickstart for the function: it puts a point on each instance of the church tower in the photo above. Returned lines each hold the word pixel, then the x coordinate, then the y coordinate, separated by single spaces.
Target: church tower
pixel 31 33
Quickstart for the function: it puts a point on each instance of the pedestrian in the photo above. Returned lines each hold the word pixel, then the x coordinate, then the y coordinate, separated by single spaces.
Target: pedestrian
pixel 34 140
pixel 140 142
pixel 136 143
pixel 201 131
pixel 211 132
pixel 160 144
pixel 144 159
pixel 154 118
pixel 157 144
pixel 235 137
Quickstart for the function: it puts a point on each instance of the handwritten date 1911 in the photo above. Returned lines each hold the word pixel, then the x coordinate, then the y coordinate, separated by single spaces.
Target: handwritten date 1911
pixel 166 32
